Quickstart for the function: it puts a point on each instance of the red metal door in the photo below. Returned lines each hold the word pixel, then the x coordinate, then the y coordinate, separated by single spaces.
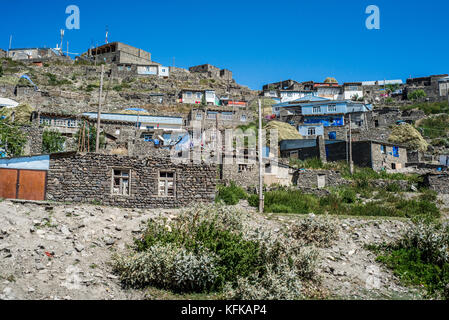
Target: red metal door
pixel 8 183
pixel 32 185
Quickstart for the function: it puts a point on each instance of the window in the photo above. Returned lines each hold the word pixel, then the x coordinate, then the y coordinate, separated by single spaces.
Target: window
pixel 376 123
pixel 120 68
pixel 289 94
pixel 120 182
pixel 316 109
pixel 166 184
pixel 148 137
pixel 243 118
pixel 72 123
pixel 226 116
pixel 244 168
pixel 128 68
pixel 393 166
pixel 212 115
pixel 199 95
pixel 189 94
pixel 396 152
pixel 333 135
pixel 332 108
pixel 383 149
pixel 311 132
pixel 45 121
pixel 199 116
pixel 60 123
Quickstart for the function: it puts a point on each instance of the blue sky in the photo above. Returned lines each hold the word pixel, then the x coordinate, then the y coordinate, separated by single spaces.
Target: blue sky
pixel 260 41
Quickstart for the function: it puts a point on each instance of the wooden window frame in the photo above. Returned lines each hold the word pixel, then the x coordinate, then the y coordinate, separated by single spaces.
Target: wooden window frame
pixel 121 177
pixel 166 180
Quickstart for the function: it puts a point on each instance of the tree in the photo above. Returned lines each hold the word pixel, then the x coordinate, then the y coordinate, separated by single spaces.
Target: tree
pixel 52 142
pixel 87 140
pixel 12 139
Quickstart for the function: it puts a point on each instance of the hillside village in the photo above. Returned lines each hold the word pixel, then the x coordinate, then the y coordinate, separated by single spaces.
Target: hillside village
pixel 377 148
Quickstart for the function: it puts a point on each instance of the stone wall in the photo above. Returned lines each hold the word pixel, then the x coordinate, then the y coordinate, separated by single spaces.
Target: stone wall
pixel 308 179
pixel 83 178
pixel 33 145
pixel 437 182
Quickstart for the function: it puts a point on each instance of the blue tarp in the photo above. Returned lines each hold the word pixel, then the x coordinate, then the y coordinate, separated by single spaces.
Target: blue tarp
pixel 29 80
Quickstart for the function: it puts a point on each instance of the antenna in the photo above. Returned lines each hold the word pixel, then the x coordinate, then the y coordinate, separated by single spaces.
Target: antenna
pixel 62 38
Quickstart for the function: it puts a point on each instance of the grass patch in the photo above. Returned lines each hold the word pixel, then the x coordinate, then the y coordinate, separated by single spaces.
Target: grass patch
pixel 420 258
pixel 429 107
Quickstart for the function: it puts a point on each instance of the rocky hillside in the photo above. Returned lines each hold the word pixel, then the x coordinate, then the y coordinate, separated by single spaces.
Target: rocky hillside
pixel 74 88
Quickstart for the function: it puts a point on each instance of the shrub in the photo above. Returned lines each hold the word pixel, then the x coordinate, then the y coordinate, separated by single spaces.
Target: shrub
pixel 168 267
pixel 231 195
pixel 348 195
pixel 52 141
pixel 418 94
pixel 393 187
pixel 253 200
pixel 12 139
pixel 236 254
pixel 319 231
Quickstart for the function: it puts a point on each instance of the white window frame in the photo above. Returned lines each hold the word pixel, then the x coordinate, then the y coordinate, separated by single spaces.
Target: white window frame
pixel 123 175
pixel 164 181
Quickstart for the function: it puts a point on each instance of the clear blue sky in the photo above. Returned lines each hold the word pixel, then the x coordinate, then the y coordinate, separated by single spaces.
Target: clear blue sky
pixel 260 41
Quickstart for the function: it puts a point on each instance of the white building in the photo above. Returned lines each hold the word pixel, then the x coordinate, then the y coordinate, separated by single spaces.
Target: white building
pixel 352 90
pixel 191 96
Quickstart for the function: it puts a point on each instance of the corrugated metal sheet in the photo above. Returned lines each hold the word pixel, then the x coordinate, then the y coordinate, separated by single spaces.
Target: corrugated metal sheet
pixel 136 118
pixel 30 163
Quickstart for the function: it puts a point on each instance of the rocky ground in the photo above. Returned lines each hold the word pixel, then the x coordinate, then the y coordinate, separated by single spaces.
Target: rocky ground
pixel 51 251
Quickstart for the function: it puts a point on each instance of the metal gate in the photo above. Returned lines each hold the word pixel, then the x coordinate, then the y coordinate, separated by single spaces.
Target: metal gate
pixel 23 184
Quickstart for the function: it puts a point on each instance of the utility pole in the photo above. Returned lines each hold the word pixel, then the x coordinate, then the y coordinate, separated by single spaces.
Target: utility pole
pixel 97 145
pixel 351 164
pixel 261 197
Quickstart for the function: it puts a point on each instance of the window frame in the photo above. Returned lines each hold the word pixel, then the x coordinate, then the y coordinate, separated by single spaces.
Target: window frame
pixel 167 180
pixel 121 177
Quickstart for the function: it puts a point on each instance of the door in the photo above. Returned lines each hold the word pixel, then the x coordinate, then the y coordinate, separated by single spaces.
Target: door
pixel 8 183
pixel 32 185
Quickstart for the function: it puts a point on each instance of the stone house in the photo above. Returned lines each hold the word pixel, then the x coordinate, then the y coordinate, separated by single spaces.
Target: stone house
pixel 33 54
pixel 379 155
pixel 224 117
pixel 196 96
pixel 119 53
pixel 131 182
pixel 431 86
pixel 212 71
pixel 352 90
pixel 443 84
pixel 2 53
pixel 326 150
pixel 123 70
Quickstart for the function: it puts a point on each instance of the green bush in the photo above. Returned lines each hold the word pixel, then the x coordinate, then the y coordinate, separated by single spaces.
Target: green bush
pixel 393 187
pixel 253 200
pixel 418 94
pixel 430 107
pixel 231 195
pixel 235 254
pixel 52 142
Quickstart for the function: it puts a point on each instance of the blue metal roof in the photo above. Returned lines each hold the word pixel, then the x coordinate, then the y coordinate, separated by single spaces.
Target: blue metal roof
pixel 136 118
pixel 41 162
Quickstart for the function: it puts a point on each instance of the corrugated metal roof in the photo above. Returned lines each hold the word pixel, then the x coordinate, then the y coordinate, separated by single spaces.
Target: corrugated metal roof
pixel 136 118
pixel 304 143
pixel 8 103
